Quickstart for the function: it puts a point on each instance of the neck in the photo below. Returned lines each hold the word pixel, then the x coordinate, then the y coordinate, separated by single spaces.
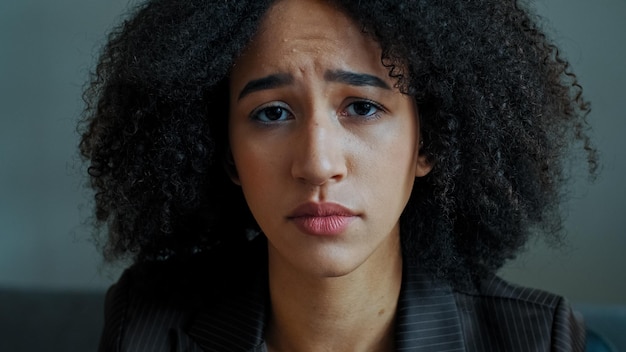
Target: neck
pixel 352 312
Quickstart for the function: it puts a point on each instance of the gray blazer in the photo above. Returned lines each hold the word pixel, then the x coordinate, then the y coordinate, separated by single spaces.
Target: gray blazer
pixel 431 316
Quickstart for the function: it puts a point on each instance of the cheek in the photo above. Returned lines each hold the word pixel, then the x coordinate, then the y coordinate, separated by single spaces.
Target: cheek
pixel 395 150
pixel 253 180
pixel 253 169
pixel 395 163
pixel 387 170
pixel 258 169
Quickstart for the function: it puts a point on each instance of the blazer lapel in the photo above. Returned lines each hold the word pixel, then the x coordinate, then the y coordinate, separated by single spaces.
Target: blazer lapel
pixel 236 323
pixel 427 317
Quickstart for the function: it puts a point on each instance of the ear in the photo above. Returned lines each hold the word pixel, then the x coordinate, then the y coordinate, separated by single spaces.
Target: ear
pixel 231 168
pixel 422 165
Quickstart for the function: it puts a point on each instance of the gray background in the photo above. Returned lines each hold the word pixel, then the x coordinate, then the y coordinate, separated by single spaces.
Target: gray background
pixel 48 47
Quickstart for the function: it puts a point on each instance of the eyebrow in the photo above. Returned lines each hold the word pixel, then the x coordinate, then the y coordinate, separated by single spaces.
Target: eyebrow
pixel 355 79
pixel 341 76
pixel 268 82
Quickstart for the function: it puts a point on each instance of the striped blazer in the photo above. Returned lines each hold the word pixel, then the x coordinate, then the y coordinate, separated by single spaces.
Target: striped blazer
pixel 430 316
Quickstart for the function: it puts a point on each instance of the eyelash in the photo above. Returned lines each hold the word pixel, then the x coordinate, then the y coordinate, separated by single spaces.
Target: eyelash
pixel 373 116
pixel 284 109
pixel 254 115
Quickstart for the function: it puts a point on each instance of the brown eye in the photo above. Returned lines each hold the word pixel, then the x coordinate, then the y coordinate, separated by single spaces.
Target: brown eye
pixel 364 108
pixel 272 113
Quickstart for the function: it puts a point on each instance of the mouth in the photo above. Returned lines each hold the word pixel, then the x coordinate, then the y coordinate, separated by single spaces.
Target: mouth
pixel 322 219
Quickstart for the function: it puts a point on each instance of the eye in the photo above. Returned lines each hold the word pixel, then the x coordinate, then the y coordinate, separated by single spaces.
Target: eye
pixel 363 108
pixel 270 113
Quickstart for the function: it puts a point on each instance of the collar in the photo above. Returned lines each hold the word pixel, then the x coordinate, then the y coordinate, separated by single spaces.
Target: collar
pixel 427 318
pixel 236 321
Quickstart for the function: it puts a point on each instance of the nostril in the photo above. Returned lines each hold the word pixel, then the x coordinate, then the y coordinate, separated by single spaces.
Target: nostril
pixel 318 167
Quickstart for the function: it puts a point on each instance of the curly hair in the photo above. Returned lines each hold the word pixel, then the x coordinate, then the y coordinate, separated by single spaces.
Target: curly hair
pixel 499 110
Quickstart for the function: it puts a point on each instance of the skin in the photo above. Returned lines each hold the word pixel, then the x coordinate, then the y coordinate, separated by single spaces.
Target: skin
pixel 316 120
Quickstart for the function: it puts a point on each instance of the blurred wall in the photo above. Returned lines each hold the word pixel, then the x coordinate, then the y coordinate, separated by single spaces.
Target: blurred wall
pixel 592 267
pixel 48 47
pixel 46 51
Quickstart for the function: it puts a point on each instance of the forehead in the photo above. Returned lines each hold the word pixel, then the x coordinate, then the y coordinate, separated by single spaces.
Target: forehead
pixel 308 33
pixel 294 18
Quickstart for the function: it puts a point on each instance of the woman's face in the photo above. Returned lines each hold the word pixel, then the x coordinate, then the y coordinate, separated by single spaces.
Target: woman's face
pixel 325 148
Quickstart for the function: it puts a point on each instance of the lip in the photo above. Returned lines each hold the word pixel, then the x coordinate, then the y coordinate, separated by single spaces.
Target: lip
pixel 322 219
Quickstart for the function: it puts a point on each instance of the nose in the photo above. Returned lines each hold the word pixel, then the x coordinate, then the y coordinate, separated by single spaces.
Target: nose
pixel 319 151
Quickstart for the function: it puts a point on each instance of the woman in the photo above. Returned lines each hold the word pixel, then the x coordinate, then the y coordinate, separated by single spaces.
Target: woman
pixel 306 175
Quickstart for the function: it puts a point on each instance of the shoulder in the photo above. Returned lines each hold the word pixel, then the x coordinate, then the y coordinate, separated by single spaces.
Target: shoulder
pixel 519 318
pixel 152 305
pixel 142 317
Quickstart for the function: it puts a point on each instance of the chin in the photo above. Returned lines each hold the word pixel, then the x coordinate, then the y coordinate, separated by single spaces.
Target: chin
pixel 333 267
